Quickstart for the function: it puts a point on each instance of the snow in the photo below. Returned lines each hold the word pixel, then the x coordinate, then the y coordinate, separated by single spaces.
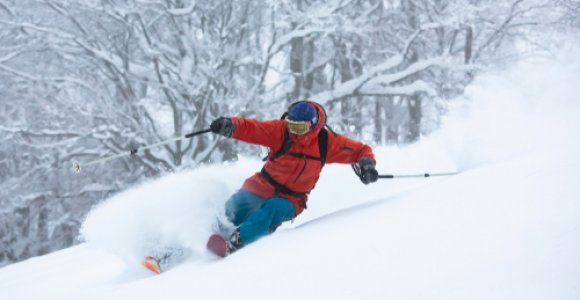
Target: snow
pixel 506 227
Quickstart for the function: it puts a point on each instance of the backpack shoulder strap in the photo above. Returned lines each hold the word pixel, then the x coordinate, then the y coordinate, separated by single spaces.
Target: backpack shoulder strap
pixel 285 146
pixel 323 145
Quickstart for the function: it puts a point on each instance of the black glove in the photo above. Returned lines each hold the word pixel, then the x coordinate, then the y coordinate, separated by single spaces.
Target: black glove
pixel 223 126
pixel 368 173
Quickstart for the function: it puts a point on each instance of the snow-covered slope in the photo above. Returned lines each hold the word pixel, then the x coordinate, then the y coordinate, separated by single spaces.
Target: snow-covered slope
pixel 507 227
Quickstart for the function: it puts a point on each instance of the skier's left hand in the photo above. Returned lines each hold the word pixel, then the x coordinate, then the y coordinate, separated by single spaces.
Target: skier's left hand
pixel 368 172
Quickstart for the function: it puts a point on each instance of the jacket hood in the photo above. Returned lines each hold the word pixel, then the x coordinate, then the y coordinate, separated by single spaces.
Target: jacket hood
pixel 321 116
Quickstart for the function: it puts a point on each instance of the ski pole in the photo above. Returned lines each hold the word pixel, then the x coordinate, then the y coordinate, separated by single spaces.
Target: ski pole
pixel 77 166
pixel 417 175
pixel 358 173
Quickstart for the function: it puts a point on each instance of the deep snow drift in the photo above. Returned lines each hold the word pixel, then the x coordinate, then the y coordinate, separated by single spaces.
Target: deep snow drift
pixel 507 227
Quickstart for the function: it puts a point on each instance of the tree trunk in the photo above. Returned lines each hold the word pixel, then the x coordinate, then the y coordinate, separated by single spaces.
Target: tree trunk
pixel 296 57
pixel 392 131
pixel 414 101
pixel 468 50
pixel 415 115
pixel 378 120
pixel 350 67
pixel 308 79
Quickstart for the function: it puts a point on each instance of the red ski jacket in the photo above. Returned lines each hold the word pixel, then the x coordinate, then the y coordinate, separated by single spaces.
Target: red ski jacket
pixel 297 174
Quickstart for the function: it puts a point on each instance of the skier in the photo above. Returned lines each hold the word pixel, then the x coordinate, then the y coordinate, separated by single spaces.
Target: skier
pixel 299 147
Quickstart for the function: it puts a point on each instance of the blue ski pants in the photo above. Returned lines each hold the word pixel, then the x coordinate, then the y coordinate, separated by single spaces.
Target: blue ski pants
pixel 257 216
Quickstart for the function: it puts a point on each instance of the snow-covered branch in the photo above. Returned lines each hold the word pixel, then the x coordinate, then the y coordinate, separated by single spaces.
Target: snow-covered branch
pixel 6 8
pixel 374 80
pixel 413 88
pixel 55 79
pixel 10 56
pixel 388 79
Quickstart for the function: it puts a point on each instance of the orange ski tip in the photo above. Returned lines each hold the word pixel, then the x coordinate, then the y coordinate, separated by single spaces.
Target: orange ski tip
pixel 152 264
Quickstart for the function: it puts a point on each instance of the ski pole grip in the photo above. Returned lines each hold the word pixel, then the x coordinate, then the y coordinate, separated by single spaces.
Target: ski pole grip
pixel 189 135
pixel 387 176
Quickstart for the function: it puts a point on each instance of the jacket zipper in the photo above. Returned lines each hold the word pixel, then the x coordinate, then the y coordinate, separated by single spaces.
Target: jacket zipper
pixel 301 171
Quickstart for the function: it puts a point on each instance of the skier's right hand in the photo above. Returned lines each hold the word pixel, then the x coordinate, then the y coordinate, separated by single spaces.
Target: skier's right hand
pixel 223 126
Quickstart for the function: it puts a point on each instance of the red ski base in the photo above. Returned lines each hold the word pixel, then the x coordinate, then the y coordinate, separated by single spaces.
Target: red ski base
pixel 217 245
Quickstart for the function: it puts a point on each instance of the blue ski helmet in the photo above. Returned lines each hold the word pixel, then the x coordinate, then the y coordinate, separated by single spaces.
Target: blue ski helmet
pixel 303 111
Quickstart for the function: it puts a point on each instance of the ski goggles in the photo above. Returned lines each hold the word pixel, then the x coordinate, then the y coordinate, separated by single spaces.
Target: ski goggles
pixel 298 127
